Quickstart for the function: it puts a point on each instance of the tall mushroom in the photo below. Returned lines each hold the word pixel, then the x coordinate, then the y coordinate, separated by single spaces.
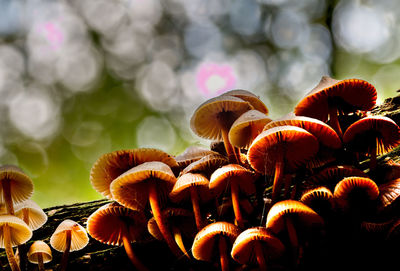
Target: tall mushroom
pixel 214 118
pixel 147 182
pixel 280 148
pixel 332 97
pixel 193 186
pixel 238 179
pixel 117 225
pixel 69 236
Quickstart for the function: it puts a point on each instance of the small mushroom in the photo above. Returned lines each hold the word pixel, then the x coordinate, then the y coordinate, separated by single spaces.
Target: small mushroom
pixel 216 234
pixel 13 232
pixel 249 97
pixel 117 225
pixel 69 236
pixel 39 253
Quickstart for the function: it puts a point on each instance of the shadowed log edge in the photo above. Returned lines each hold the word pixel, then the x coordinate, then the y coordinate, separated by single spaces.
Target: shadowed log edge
pixel 97 256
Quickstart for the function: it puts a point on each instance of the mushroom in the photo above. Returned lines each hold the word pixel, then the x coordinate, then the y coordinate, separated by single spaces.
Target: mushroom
pixel 15 186
pixel 247 127
pixel 147 182
pixel 192 154
pixel 206 165
pixel 181 224
pixel 257 245
pixel 39 253
pixel 193 186
pixel 69 236
pixel 204 244
pixel 280 148
pixel 331 97
pixel 389 197
pixel 320 199
pixel 290 216
pixel 249 97
pixel 214 118
pixel 13 232
pixel 374 135
pixel 237 178
pixel 117 225
pixel 110 165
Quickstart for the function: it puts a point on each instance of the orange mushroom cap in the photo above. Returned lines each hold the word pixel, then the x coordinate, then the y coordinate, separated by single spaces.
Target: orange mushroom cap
pixel 388 194
pixel 367 132
pixel 247 127
pixel 349 95
pixel 244 245
pixel 181 189
pixel 301 214
pixel 296 145
pixel 131 188
pixel 111 165
pixel 206 165
pixel 192 154
pixel 111 222
pixel 205 240
pixel 20 231
pixel 323 132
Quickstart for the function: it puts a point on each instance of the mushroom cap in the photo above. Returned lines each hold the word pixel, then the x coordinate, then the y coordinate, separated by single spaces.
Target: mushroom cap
pixel 330 176
pixel 111 165
pixel 363 134
pixel 192 154
pixel 206 165
pixel 249 97
pixel 247 127
pixel 37 217
pixel 20 232
pixel 206 239
pixel 181 189
pixel 295 144
pixel 349 95
pixel 111 222
pixel 388 193
pixel 79 237
pixel 178 217
pixel 244 245
pixel 21 185
pixel 223 176
pixel 301 215
pixel 131 188
pixel 216 114
pixel 39 247
pixel 315 197
pixel 350 187
pixel 323 132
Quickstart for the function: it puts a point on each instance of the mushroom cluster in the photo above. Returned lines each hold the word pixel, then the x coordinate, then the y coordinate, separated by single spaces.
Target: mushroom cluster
pixel 289 193
pixel 19 215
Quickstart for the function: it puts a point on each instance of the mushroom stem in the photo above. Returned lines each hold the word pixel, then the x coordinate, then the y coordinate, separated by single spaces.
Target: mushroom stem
pixel 223 257
pixel 9 251
pixel 277 177
pixel 40 262
pixel 161 221
pixel 334 121
pixel 230 152
pixel 294 241
pixel 7 196
pixel 179 240
pixel 196 208
pixel 236 204
pixel 132 256
pixel 64 259
pixel 260 256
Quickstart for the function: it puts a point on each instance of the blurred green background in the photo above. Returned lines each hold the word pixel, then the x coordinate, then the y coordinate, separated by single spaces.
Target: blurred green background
pixel 82 78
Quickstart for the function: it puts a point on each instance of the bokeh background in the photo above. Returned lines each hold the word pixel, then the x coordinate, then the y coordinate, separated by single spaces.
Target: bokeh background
pixel 81 78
